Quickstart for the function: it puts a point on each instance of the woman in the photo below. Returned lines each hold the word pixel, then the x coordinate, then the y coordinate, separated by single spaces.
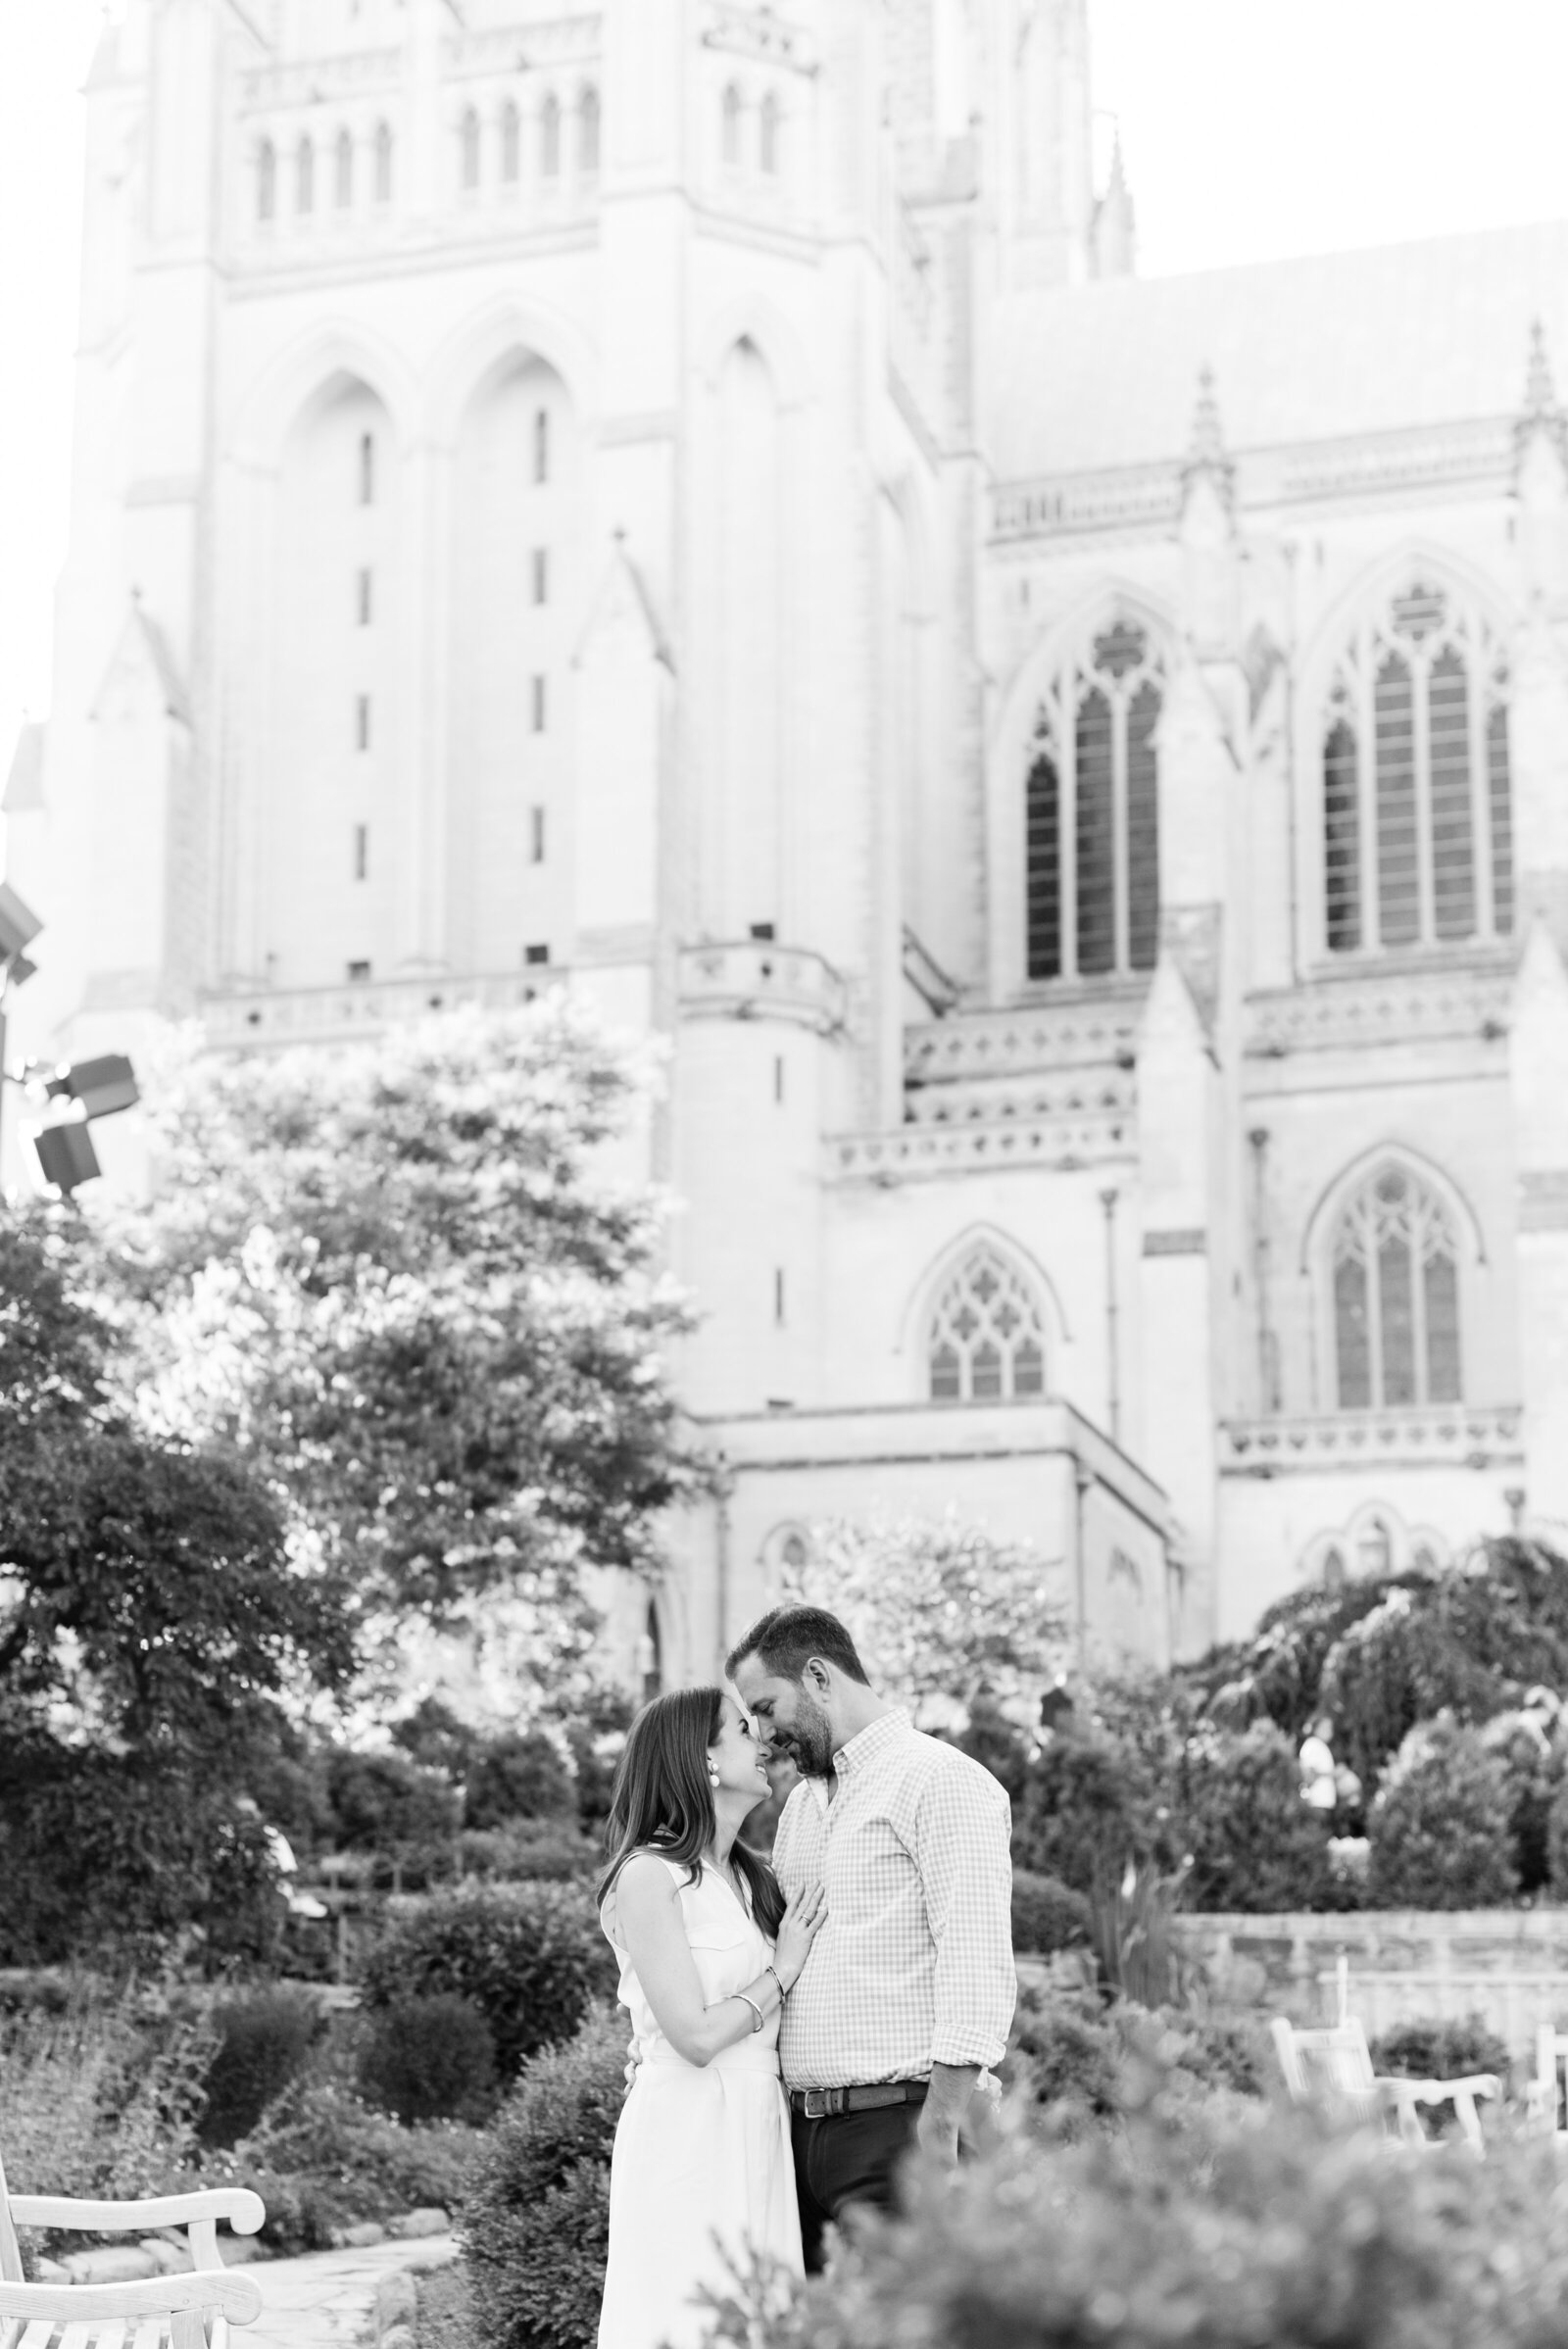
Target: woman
pixel 702 2177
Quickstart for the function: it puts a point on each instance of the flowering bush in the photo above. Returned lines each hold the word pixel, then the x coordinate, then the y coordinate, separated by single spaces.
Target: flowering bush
pixel 1439 1826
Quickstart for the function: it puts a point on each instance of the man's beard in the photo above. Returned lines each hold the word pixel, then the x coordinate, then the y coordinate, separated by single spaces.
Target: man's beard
pixel 809 1739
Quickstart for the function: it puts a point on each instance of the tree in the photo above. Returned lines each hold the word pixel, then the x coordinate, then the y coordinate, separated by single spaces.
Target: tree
pixel 1439 1826
pixel 151 1620
pixel 392 1277
pixel 941 1612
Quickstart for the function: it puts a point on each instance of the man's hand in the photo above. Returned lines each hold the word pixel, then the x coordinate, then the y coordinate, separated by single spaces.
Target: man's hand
pixel 937 2130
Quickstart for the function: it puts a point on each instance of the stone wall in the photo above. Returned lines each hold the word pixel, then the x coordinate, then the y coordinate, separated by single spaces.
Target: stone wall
pixel 1509 1965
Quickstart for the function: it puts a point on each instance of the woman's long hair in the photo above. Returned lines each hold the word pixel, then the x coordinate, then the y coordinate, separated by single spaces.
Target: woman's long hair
pixel 662 1800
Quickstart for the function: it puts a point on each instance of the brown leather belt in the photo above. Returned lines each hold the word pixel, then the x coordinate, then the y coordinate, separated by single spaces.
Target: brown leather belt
pixel 827 2104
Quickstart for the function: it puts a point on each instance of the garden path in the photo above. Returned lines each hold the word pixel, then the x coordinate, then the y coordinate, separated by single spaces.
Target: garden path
pixel 328 2301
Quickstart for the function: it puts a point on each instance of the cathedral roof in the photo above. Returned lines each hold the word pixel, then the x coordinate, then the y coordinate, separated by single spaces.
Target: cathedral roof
pixel 1330 347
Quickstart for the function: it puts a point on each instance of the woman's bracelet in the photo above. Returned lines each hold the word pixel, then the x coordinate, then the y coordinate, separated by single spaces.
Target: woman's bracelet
pixel 756 2010
pixel 777 1984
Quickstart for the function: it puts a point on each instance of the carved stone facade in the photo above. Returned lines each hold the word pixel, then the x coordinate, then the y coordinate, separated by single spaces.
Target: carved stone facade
pixel 685 500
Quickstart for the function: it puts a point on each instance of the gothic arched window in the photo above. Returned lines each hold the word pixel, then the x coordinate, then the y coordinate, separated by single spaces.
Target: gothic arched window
pixel 1417 820
pixel 588 133
pixel 550 136
pixel 468 142
pixel 986 1341
pixel 343 179
pixel 1393 1268
pixel 304 176
pixel 731 125
pixel 265 181
pixel 510 143
pixel 767 133
pixel 383 163
pixel 1091 814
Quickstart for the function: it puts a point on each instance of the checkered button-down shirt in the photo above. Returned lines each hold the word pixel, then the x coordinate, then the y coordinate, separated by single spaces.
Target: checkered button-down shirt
pixel 914 1964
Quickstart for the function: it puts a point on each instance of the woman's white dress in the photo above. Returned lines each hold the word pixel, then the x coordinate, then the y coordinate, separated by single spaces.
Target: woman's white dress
pixel 701 2174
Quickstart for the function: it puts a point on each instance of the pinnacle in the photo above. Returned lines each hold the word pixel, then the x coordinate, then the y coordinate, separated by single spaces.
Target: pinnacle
pixel 1207 452
pixel 1541 399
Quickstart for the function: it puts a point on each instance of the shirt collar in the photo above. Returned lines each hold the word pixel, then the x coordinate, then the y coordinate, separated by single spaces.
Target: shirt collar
pixel 879 1737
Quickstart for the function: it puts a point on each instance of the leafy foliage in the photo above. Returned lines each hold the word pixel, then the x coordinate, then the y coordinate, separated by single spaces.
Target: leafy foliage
pixel 1439 1824
pixel 101 2101
pixel 1046 1916
pixel 517 1777
pixel 262 2041
pixel 1087 1806
pixel 151 1622
pixel 1231 2226
pixel 536 2227
pixel 430 2059
pixel 942 1613
pixel 1255 1845
pixel 320 2158
pixel 531 1957
pixel 390 1275
pixel 1452 2051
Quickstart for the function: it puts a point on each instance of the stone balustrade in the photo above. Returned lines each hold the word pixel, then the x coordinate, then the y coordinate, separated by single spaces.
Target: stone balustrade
pixel 756 979
pixel 1431 1435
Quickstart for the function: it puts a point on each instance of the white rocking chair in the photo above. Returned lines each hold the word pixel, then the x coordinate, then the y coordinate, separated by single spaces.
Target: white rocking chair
pixel 1334 2063
pixel 189 2310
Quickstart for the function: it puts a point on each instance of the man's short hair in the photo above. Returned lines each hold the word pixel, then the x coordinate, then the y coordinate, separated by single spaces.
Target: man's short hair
pixel 785 1637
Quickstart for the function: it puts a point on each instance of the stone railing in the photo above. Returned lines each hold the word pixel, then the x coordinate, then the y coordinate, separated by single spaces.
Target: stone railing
pixel 1509 1965
pixel 1078 1031
pixel 916 1152
pixel 1380 1007
pixel 282 1015
pixel 1146 496
pixel 756 979
pixel 1429 1436
pixel 1023 1100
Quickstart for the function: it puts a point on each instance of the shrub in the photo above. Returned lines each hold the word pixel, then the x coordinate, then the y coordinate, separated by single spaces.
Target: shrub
pixel 529 1851
pixel 1255 1845
pixel 1046 1916
pixel 521 1776
pixel 536 2227
pixel 262 2043
pixel 1533 1772
pixel 530 1956
pixel 102 2101
pixel 320 2158
pixel 384 1803
pixel 1452 2051
pixel 1236 2228
pixel 430 2059
pixel 1083 1807
pixel 1064 2056
pixel 1439 1824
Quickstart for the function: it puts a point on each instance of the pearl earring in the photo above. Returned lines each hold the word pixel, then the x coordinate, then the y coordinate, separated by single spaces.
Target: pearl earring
pixel 713 1776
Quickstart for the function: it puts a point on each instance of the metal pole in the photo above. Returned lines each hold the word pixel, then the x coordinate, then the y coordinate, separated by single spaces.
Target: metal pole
pixel 1268 1378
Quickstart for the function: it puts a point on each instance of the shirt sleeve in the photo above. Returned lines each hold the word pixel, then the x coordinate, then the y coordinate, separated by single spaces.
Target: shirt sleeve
pixel 963 1832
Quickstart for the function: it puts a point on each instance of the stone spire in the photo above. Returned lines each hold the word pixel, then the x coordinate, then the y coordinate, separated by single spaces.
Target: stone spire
pixel 1113 234
pixel 1540 482
pixel 1206 456
pixel 1207 532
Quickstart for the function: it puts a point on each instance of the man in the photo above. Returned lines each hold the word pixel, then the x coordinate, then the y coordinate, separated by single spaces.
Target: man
pixel 908 1991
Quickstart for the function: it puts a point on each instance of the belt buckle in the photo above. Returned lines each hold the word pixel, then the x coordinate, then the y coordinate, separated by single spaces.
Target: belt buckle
pixel 823 2103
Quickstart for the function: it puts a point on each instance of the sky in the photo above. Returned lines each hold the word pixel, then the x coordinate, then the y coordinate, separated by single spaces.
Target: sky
pixel 1251 130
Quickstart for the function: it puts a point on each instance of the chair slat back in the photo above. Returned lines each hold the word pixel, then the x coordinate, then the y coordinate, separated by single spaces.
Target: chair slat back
pixel 1333 2061
pixel 1551 2048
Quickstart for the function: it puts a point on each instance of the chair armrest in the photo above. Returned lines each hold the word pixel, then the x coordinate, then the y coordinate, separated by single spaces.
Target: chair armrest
pixel 1438 2091
pixel 245 2212
pixel 237 2295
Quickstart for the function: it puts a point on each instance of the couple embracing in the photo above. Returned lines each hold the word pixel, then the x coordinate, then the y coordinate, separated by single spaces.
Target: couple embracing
pixel 797 2029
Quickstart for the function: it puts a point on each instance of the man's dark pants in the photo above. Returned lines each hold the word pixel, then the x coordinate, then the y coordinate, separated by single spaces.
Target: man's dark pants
pixel 847 2158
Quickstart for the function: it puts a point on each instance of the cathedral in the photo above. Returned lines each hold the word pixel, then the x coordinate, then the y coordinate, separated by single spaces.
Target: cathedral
pixel 689 501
